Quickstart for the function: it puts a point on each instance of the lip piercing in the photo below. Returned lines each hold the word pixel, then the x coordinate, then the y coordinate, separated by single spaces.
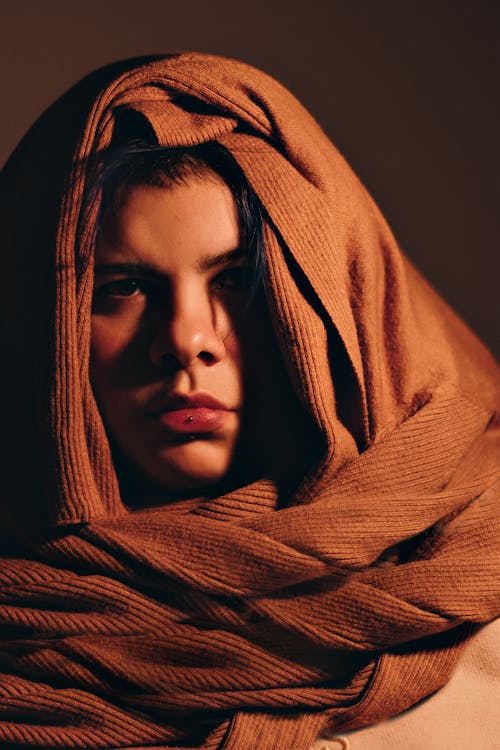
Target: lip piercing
pixel 190 418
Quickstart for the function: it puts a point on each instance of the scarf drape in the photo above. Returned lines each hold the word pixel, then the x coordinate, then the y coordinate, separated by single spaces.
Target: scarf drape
pixel 250 620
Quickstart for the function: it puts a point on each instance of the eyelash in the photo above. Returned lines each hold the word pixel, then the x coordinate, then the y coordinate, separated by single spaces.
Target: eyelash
pixel 111 288
pixel 239 278
pixel 236 279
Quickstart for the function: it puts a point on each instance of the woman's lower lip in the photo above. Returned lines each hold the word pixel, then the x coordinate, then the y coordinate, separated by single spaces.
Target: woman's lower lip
pixel 200 419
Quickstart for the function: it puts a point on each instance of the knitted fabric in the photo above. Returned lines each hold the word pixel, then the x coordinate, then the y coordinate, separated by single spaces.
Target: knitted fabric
pixel 255 619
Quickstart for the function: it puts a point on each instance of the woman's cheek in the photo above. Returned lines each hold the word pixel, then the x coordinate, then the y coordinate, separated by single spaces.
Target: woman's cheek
pixel 233 347
pixel 111 335
pixel 110 367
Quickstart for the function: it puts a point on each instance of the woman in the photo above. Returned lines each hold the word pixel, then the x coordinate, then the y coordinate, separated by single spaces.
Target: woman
pixel 259 504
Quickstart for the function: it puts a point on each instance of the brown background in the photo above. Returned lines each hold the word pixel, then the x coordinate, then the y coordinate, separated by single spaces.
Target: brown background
pixel 407 90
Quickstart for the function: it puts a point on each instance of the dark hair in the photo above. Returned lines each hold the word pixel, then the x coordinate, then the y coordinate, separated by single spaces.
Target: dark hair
pixel 137 163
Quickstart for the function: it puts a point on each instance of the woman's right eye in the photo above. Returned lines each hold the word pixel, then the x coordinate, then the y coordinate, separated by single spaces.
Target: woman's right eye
pixel 121 288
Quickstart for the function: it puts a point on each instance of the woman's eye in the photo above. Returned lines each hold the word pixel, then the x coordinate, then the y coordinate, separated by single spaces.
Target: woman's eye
pixel 121 288
pixel 233 279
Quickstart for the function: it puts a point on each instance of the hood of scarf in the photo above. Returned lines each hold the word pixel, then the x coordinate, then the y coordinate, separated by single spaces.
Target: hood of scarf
pixel 252 619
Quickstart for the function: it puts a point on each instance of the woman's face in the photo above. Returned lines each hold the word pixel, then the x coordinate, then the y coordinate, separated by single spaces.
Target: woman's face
pixel 167 328
pixel 187 374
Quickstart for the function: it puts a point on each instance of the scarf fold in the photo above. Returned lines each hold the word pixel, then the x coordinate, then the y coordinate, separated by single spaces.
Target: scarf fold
pixel 250 620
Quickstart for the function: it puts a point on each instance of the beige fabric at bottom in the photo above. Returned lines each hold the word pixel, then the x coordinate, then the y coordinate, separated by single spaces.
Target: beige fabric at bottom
pixel 465 713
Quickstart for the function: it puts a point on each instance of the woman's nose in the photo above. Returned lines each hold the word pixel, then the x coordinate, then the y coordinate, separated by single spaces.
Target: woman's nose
pixel 186 332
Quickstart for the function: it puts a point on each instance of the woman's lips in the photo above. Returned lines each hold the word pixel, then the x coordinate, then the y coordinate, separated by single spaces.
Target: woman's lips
pixel 194 419
pixel 194 413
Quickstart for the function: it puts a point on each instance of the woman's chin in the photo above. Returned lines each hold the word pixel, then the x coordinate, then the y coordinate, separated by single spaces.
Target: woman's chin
pixel 192 467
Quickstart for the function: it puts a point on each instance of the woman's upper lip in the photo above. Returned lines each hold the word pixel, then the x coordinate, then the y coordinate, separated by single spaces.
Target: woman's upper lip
pixel 192 401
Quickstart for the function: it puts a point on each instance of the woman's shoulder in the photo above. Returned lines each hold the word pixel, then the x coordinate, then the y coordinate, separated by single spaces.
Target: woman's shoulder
pixel 464 713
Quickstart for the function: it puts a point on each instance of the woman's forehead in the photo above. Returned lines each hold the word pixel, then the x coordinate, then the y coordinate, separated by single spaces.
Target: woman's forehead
pixel 188 224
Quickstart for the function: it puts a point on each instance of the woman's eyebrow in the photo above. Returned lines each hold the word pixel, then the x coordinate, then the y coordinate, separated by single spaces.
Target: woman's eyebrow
pixel 212 261
pixel 148 269
pixel 140 269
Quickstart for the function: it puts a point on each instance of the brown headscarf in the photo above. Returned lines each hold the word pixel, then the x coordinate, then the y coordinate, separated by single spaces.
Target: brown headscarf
pixel 252 620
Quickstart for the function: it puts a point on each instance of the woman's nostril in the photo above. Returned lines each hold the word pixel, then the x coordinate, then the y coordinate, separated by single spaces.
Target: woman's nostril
pixel 174 363
pixel 207 358
pixel 170 361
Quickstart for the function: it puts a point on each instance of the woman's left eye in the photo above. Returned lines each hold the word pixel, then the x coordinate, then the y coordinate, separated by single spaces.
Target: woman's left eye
pixel 233 279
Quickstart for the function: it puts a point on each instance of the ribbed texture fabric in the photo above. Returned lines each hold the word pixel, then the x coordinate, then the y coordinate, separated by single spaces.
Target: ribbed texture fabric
pixel 262 618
